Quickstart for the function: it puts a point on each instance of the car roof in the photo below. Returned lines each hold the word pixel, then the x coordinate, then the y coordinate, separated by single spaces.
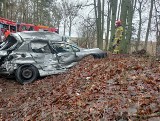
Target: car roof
pixel 31 35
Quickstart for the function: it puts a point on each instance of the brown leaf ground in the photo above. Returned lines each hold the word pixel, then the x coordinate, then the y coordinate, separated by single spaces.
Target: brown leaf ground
pixel 117 88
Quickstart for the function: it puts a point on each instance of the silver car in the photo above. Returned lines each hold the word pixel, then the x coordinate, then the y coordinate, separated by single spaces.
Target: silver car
pixel 28 55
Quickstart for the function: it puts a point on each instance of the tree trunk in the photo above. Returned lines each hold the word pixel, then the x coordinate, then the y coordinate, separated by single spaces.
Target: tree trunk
pixel 27 14
pixel 157 32
pixel 1 8
pixel 34 12
pixel 131 9
pixel 70 25
pixel 124 14
pixel 99 12
pixel 64 29
pixel 114 11
pixel 140 26
pixel 37 13
pixel 99 24
pixel 108 26
pixel 149 25
pixel 96 16
pixel 119 10
pixel 134 3
pixel 102 30
pixel 5 8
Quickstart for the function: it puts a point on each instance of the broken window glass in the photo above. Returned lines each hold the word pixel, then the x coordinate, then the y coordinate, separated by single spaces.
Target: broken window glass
pixel 62 47
pixel 40 47
pixel 24 47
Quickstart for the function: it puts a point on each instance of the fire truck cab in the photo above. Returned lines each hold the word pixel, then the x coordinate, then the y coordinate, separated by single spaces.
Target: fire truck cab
pixel 25 27
pixel 8 24
pixel 19 27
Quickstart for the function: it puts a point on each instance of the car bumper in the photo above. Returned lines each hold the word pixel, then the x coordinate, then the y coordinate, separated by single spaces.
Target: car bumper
pixel 4 71
pixel 8 68
pixel 101 55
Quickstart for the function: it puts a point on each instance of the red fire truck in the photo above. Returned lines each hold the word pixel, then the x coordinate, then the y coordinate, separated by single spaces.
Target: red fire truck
pixel 18 27
pixel 6 23
pixel 45 28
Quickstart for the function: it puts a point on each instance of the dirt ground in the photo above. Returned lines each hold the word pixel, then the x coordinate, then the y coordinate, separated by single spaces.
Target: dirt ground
pixel 116 88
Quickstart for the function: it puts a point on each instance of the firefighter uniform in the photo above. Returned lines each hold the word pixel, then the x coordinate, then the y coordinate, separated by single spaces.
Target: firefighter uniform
pixel 117 39
pixel 6 33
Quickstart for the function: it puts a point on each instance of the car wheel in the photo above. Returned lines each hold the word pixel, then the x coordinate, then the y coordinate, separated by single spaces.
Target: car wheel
pixel 26 74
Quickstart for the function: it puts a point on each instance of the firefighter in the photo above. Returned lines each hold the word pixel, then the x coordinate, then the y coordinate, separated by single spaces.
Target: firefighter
pixel 117 37
pixel 6 33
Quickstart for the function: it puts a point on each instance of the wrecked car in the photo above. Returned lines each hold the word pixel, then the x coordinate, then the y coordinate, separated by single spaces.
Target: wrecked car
pixel 28 55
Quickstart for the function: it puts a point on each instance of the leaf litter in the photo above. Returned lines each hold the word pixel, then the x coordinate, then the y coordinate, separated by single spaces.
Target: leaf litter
pixel 116 88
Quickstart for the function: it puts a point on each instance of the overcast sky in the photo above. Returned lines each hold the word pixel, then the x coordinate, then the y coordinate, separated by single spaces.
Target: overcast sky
pixel 82 14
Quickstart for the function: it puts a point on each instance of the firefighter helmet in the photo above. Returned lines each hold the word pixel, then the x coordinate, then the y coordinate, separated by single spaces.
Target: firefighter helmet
pixel 118 23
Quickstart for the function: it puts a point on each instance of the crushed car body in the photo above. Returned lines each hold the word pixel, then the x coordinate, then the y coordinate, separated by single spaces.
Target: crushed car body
pixel 28 55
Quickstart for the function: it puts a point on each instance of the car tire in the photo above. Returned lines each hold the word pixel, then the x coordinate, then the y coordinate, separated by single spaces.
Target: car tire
pixel 26 74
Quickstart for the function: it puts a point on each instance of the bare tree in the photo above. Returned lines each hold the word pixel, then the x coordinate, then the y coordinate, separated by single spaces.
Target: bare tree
pixel 87 32
pixel 113 8
pixel 149 24
pixel 57 14
pixel 108 24
pixel 157 21
pixel 69 11
pixel 131 10
pixel 139 9
pixel 99 14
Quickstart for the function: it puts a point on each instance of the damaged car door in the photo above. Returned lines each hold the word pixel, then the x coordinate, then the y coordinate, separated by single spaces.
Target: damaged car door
pixel 43 56
pixel 66 55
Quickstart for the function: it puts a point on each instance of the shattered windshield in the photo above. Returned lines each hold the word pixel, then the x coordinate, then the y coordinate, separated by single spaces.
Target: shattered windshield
pixel 41 35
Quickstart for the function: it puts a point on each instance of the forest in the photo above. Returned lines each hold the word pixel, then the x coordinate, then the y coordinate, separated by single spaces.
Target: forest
pixel 119 87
